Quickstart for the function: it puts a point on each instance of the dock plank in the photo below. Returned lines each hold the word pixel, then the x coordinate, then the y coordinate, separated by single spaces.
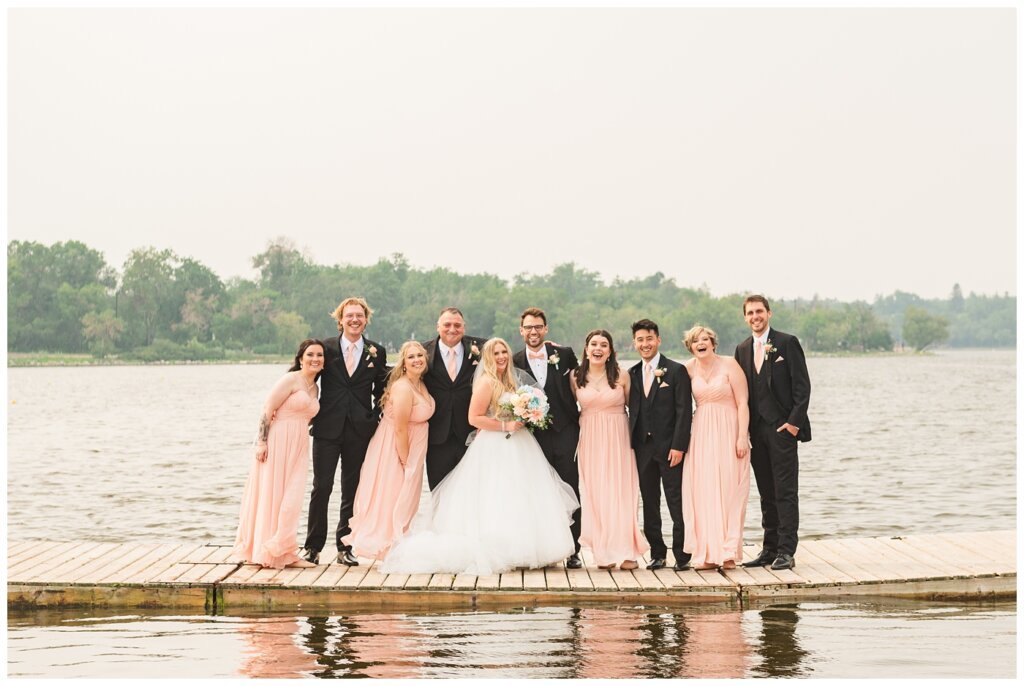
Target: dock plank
pixel 373 578
pixel 932 543
pixel 490 582
pixel 331 576
pixel 624 580
pixel 395 581
pixel 113 556
pixel 41 554
pixel 134 572
pixel 512 580
pixel 556 579
pixel 461 582
pixel 839 559
pixel 67 564
pixel 418 581
pixel 307 576
pixel 29 553
pixel 601 579
pixel 807 556
pixel 534 579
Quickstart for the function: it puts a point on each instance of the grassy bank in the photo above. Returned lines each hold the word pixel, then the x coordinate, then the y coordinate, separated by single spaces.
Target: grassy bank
pixel 44 359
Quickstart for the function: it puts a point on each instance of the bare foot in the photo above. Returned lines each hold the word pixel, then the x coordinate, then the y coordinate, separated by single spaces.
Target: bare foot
pixel 301 563
pixel 728 564
pixel 706 567
pixel 628 564
pixel 611 566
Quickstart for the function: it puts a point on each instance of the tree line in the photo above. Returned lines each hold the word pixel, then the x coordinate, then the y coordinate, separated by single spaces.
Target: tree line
pixel 65 298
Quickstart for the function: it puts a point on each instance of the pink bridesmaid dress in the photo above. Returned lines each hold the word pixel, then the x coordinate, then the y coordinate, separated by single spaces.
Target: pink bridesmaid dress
pixel 609 484
pixel 275 491
pixel 715 483
pixel 388 494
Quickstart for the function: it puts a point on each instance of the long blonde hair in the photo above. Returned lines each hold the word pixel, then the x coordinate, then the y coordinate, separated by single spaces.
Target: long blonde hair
pixel 399 371
pixel 506 383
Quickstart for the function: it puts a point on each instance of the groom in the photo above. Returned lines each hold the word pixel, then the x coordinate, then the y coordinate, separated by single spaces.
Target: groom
pixel 780 392
pixel 452 358
pixel 353 379
pixel 551 365
pixel 660 413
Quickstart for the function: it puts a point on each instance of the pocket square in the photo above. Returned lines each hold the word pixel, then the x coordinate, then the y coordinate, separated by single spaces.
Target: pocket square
pixel 663 385
pixel 370 365
pixel 779 358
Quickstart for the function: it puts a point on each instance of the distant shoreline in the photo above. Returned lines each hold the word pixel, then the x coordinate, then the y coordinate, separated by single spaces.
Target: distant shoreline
pixel 17 360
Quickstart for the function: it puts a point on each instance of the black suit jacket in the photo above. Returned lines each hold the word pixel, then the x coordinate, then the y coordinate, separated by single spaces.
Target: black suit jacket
pixel 787 378
pixel 350 399
pixel 666 413
pixel 564 411
pixel 451 398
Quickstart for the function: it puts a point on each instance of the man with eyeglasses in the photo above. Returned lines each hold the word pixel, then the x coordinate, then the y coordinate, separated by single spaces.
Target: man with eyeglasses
pixel 551 365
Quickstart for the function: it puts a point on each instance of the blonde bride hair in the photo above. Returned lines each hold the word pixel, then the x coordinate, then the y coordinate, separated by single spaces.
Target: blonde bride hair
pixel 399 371
pixel 506 382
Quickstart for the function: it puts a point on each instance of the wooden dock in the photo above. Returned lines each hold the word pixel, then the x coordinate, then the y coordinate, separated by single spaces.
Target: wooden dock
pixel 91 574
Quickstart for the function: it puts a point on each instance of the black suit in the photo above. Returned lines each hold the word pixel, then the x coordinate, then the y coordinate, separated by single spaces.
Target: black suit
pixel 449 425
pixel 342 429
pixel 779 393
pixel 559 441
pixel 658 423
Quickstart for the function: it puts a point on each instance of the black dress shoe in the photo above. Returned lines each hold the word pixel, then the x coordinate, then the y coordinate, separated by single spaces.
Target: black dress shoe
pixel 784 561
pixel 765 558
pixel 657 563
pixel 346 557
pixel 681 566
pixel 310 555
pixel 574 561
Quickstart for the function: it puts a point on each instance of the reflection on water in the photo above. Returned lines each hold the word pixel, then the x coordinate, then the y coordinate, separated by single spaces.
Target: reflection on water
pixel 894 639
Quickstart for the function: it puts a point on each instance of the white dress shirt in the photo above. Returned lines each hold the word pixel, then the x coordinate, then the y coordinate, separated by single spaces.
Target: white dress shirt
pixel 458 349
pixel 539 367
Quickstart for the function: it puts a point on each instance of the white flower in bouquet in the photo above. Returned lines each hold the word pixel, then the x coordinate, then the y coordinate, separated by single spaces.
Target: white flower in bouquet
pixel 528 405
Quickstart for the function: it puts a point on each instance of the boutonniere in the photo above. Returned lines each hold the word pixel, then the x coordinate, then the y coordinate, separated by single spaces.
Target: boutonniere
pixel 474 353
pixel 554 359
pixel 659 372
pixel 769 348
pixel 371 354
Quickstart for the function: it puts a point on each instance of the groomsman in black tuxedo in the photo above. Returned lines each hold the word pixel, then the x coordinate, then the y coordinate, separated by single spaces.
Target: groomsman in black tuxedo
pixel 550 365
pixel 452 359
pixel 780 392
pixel 355 372
pixel 660 414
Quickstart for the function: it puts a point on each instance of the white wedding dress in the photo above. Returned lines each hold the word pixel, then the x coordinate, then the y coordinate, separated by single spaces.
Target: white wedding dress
pixel 502 507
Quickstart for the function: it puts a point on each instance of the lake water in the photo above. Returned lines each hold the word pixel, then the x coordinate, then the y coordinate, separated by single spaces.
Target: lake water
pixel 903 445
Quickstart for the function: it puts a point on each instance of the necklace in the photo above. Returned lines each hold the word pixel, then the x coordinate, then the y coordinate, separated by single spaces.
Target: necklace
pixel 707 377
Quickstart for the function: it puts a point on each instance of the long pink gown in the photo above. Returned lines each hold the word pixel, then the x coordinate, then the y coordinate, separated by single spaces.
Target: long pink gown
pixel 388 495
pixel 609 484
pixel 275 491
pixel 715 483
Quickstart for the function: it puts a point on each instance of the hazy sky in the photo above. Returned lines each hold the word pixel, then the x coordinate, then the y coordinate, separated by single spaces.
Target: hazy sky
pixel 845 153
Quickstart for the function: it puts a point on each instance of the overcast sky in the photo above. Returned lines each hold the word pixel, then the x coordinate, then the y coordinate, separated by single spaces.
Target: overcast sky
pixel 844 153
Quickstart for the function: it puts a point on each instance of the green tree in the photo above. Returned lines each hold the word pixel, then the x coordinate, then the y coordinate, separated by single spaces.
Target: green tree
pixel 921 329
pixel 101 330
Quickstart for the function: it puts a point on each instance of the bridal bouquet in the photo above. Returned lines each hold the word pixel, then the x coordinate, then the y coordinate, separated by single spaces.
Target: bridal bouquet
pixel 528 405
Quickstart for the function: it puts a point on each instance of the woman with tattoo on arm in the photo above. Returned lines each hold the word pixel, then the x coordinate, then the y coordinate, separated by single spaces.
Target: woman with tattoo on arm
pixel 275 491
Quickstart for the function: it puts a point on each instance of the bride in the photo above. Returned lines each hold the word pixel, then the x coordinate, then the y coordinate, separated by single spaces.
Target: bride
pixel 503 506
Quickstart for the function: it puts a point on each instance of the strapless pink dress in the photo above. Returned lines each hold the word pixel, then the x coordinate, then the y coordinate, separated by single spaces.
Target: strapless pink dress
pixel 609 484
pixel 388 495
pixel 275 491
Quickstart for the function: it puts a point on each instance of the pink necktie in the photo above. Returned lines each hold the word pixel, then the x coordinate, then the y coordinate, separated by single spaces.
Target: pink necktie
pixel 350 359
pixel 758 355
pixel 535 356
pixel 452 371
pixel 648 378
